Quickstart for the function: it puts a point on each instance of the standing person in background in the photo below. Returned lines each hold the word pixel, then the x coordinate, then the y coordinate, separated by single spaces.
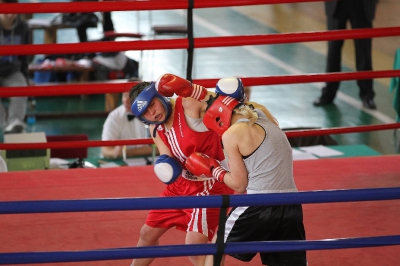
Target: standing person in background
pixel 177 129
pixel 13 70
pixel 122 124
pixel 360 13
pixel 260 159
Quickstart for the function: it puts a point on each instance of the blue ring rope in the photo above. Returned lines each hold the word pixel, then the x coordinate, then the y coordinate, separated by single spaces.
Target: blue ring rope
pixel 126 204
pixel 326 196
pixel 191 250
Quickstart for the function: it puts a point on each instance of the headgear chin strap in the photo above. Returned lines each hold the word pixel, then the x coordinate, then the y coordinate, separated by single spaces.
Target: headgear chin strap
pixel 142 101
pixel 218 115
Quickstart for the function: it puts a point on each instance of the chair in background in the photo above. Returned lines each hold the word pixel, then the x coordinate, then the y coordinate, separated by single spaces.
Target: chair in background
pixel 67 153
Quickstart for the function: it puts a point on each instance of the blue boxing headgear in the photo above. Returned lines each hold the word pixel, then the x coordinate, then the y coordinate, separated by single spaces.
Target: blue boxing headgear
pixel 144 98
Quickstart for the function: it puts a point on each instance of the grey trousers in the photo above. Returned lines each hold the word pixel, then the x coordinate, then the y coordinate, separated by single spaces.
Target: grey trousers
pixel 17 105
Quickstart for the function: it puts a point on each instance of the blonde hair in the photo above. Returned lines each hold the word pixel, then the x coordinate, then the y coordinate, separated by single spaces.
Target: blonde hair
pixel 246 111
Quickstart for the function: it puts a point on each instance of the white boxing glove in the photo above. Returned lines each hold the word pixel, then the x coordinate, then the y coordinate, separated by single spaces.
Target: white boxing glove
pixel 167 169
pixel 232 87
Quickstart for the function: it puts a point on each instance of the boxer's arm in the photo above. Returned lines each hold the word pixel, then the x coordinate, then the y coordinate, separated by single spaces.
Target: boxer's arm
pixel 166 167
pixel 237 178
pixel 162 148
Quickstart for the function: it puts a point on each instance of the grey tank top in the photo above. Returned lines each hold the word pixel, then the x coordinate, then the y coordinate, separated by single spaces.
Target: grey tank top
pixel 196 123
pixel 270 166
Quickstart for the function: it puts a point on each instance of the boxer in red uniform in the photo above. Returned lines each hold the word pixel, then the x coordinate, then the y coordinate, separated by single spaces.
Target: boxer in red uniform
pixel 177 129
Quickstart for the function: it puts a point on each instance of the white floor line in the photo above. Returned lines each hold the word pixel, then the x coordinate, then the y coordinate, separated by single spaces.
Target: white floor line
pixel 290 69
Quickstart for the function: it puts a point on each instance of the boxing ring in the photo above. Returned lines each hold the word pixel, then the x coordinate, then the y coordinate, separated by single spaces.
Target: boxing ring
pixel 96 214
pixel 84 215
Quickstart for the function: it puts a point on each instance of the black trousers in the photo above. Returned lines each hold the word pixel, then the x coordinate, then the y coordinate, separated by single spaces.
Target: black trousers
pixel 363 48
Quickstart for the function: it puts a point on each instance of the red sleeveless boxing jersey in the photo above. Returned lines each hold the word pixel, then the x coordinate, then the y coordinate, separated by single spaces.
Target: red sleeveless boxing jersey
pixel 183 141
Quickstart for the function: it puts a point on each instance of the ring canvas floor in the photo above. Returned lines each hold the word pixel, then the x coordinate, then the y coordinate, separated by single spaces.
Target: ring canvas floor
pixel 99 230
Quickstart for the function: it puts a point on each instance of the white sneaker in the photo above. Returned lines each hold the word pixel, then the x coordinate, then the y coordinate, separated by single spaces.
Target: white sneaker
pixel 16 126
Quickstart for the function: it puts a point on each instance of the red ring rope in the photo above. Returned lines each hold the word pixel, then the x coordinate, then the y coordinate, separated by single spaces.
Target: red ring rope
pixel 29 8
pixel 123 86
pixel 98 143
pixel 203 42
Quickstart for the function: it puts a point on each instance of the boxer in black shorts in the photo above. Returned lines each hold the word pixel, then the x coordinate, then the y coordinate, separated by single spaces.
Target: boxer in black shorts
pixel 260 161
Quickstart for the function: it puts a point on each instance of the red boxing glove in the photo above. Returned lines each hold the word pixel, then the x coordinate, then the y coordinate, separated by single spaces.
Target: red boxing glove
pixel 200 164
pixel 169 84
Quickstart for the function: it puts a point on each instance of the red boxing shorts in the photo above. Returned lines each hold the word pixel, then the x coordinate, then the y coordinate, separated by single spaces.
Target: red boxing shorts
pixel 201 220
